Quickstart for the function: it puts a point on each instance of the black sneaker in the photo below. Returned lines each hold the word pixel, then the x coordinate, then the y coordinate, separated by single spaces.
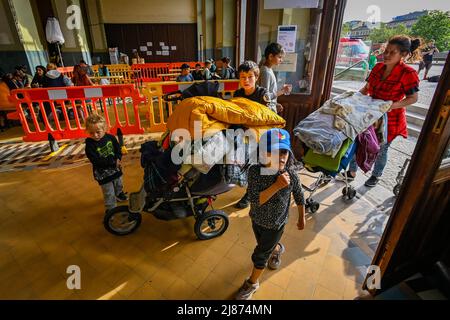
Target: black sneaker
pixel 122 197
pixel 371 182
pixel 243 203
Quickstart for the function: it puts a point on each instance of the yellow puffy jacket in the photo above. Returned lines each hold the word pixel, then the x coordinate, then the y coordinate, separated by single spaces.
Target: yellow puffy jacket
pixel 216 114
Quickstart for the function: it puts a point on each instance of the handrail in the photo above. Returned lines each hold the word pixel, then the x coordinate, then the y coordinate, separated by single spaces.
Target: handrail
pixel 353 65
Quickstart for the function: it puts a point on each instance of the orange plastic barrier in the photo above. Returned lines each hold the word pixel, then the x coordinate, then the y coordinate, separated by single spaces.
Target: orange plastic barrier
pixel 158 108
pixel 67 71
pixel 49 110
pixel 177 65
pixel 148 72
pixel 122 70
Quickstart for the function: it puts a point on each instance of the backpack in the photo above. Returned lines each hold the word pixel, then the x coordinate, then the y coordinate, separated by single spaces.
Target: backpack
pixel 434 78
pixel 160 173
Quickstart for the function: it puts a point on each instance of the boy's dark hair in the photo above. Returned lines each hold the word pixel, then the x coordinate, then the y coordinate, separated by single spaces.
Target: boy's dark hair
pixel 184 66
pixel 274 49
pixel 225 60
pixel 82 62
pixel 198 65
pixel 248 66
pixel 21 68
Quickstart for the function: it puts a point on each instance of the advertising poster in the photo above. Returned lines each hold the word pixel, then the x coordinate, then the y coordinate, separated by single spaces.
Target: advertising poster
pixel 287 36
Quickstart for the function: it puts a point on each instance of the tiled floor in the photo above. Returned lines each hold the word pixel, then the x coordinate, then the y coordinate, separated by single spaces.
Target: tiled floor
pixel 51 219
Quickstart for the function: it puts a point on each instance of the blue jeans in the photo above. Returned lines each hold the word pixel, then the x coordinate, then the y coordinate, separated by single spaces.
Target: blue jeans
pixel 380 163
pixel 110 191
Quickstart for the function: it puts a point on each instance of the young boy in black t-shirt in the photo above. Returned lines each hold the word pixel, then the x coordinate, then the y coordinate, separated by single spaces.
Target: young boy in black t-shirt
pixel 103 150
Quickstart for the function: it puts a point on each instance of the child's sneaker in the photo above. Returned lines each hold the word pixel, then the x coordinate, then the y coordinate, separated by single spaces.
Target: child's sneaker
pixel 247 290
pixel 122 197
pixel 275 259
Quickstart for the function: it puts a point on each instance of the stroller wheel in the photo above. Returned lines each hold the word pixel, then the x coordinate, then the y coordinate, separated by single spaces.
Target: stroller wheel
pixel 211 224
pixel 397 189
pixel 120 221
pixel 348 192
pixel 314 206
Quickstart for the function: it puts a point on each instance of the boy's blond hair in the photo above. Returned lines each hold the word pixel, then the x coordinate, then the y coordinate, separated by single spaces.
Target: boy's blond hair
pixel 51 66
pixel 95 119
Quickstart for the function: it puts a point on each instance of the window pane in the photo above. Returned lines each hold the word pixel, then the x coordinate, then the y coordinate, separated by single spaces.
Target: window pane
pixel 297 30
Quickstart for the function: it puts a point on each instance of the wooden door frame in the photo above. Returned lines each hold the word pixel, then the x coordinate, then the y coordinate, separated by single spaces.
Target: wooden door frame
pixel 251 30
pixel 329 77
pixel 423 171
pixel 326 53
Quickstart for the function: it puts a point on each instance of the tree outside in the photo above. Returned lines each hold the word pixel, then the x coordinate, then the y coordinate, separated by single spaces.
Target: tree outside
pixel 383 34
pixel 345 30
pixel 435 25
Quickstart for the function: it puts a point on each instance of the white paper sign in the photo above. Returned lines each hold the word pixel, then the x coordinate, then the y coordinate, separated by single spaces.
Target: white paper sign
pixel 289 63
pixel 149 44
pixel 174 48
pixel 113 55
pixel 287 36
pixel 165 48
pixel 158 53
pixel 161 44
pixel 143 48
pixel 149 53
pixel 165 53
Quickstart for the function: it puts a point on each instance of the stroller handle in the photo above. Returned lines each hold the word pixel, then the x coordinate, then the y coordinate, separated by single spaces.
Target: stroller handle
pixel 168 96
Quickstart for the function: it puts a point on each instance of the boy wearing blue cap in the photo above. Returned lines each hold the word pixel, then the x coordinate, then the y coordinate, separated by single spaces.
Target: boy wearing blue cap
pixel 270 186
pixel 185 75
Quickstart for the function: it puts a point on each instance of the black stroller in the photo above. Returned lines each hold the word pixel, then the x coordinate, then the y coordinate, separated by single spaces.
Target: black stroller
pixel 169 195
pixel 190 196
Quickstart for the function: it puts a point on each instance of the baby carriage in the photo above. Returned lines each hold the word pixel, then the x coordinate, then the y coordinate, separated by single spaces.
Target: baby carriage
pixel 314 163
pixel 330 137
pixel 174 191
pixel 191 195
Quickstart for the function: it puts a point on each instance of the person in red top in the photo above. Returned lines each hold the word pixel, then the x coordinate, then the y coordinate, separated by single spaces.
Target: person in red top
pixel 80 77
pixel 392 80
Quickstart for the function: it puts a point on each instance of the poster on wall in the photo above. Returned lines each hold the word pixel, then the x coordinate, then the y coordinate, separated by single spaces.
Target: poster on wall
pixel 114 55
pixel 287 36
pixel 289 63
pixel 283 4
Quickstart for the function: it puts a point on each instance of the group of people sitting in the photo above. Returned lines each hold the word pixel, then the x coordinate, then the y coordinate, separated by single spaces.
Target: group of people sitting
pixel 49 76
pixel 44 77
pixel 209 72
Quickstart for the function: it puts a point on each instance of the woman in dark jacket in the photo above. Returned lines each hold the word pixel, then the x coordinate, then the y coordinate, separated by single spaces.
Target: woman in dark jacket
pixel 39 77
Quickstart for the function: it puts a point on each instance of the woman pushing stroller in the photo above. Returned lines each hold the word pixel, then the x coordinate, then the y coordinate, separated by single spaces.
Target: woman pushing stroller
pixel 392 80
